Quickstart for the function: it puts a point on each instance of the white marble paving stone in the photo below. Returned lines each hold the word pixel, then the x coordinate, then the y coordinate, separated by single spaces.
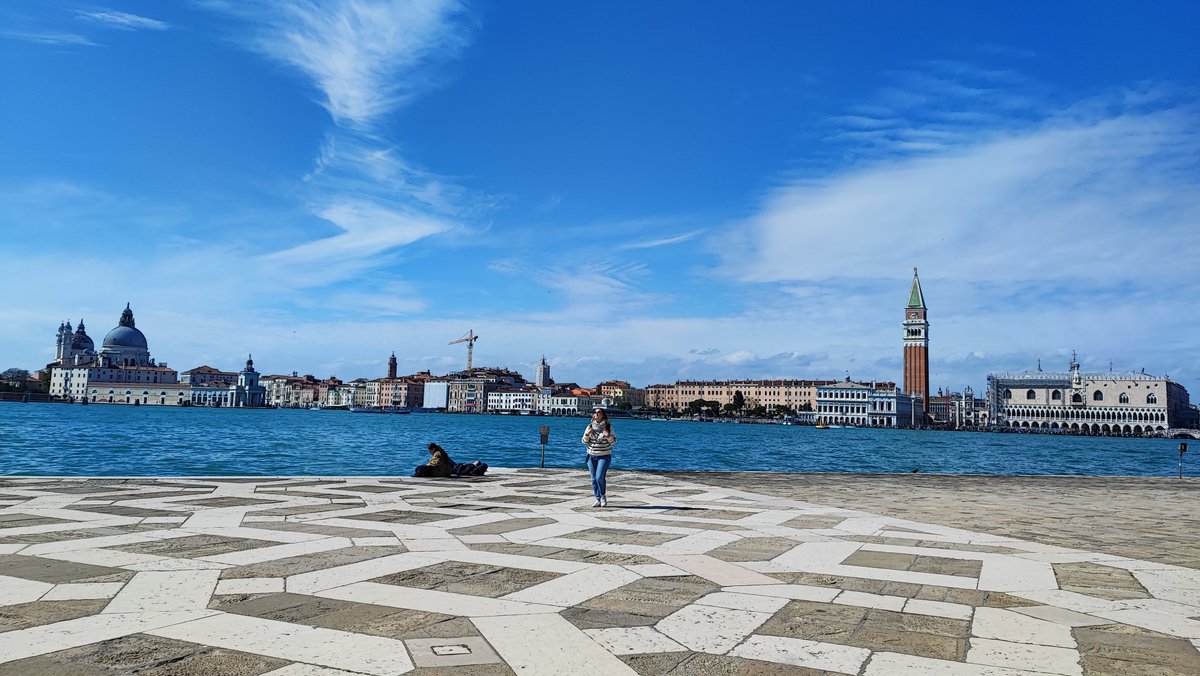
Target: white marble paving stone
pixel 868 600
pixel 721 572
pixel 1008 574
pixel 796 592
pixel 299 669
pixel 549 645
pixel 264 534
pixel 1040 658
pixel 655 570
pixel 550 530
pixel 158 592
pixel 247 557
pixel 860 526
pixel 163 563
pixel 250 518
pixel 488 538
pixel 382 541
pixel 434 545
pixel 897 664
pixel 575 588
pixel 48 638
pixel 250 585
pixel 634 640
pixel 1153 620
pixel 359 653
pixel 817 553
pixel 736 601
pixel 1080 603
pixel 1068 618
pixel 797 652
pixel 328 578
pixel 434 601
pixel 710 630
pixel 99 542
pixel 1006 625
pixel 954 611
pixel 516 561
pixel 164 519
pixel 11 548
pixel 82 590
pixel 15 590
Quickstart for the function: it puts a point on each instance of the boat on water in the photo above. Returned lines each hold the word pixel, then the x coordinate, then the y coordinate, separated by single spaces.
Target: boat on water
pixel 822 426
pixel 368 409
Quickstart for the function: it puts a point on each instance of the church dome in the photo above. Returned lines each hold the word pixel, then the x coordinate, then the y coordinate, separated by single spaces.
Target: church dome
pixel 126 334
pixel 81 340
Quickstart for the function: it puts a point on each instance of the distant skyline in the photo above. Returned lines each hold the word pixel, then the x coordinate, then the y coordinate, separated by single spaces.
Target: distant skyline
pixel 644 191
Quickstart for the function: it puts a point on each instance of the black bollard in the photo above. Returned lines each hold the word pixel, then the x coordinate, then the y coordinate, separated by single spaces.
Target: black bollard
pixel 1182 450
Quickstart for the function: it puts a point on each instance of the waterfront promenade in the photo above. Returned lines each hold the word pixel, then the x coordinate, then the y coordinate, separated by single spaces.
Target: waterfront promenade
pixel 685 573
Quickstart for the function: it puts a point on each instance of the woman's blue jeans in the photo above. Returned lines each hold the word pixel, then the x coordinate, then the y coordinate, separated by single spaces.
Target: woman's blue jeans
pixel 597 467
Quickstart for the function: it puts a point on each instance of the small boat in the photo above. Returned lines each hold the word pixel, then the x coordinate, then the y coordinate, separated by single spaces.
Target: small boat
pixel 822 426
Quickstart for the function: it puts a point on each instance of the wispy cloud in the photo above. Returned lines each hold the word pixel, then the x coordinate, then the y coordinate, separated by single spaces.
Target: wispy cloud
pixel 366 57
pixel 50 38
pixel 125 21
pixel 664 241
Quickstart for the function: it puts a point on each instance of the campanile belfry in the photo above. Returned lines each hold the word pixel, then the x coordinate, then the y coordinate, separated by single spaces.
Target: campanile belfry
pixel 916 345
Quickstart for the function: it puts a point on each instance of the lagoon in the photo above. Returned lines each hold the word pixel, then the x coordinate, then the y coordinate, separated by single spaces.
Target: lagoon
pixel 100 440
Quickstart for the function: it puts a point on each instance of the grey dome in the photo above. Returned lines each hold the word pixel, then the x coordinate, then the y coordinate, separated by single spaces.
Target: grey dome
pixel 125 336
pixel 82 341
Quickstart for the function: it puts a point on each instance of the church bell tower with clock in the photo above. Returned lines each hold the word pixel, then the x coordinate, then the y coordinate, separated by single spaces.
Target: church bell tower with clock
pixel 916 346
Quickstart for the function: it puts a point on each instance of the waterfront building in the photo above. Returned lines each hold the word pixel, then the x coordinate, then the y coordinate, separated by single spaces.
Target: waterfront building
pixel 1133 404
pixel 513 400
pixel 294 391
pixel 662 397
pixel 121 372
pixel 622 392
pixel 862 405
pixel 916 344
pixel 772 395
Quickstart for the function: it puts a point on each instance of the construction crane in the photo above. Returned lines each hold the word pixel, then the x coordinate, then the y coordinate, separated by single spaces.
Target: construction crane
pixel 469 339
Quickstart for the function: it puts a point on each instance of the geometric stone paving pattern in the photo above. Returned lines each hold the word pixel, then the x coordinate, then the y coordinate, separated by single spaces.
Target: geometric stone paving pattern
pixel 517 573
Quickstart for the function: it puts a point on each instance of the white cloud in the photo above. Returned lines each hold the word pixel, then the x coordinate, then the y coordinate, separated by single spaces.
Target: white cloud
pixel 367 229
pixel 121 20
pixel 366 57
pixel 1042 203
pixel 53 39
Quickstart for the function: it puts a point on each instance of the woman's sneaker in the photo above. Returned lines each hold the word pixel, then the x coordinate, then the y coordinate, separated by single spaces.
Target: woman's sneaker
pixel 603 501
pixel 596 503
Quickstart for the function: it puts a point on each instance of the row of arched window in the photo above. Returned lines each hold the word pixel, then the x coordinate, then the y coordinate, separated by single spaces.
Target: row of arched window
pixel 1077 398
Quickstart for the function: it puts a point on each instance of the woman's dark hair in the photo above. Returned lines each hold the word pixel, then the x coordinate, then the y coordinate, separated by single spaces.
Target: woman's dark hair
pixel 433 448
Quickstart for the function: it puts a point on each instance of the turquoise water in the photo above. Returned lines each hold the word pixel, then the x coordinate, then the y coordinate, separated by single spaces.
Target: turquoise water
pixel 123 440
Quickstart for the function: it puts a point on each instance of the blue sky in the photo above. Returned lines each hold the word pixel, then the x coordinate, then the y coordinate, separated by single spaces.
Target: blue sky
pixel 649 191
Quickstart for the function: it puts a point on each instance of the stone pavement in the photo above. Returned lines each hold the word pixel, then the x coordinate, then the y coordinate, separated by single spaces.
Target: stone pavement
pixel 517 573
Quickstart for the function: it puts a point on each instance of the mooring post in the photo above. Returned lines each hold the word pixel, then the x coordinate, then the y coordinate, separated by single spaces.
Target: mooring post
pixel 545 432
pixel 1182 450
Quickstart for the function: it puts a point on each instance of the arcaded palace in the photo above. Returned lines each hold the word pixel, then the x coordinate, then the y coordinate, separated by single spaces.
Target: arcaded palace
pixel 1088 403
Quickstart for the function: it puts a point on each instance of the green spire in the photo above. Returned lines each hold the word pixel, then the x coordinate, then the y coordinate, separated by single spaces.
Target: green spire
pixel 915 297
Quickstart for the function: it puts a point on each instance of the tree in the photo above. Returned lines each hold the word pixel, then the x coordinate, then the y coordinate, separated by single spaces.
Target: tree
pixel 739 400
pixel 15 374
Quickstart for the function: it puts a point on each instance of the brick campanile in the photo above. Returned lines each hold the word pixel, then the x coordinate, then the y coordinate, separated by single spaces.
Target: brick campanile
pixel 916 346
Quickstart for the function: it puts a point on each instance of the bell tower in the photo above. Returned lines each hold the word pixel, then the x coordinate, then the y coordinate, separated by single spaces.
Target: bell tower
pixel 916 346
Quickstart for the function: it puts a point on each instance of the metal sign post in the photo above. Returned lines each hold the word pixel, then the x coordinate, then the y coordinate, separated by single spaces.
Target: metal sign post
pixel 545 432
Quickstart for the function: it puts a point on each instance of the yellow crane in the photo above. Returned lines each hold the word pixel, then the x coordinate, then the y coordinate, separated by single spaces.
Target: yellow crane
pixel 469 339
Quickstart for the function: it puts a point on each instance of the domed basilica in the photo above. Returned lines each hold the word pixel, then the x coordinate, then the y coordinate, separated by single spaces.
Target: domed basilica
pixel 122 372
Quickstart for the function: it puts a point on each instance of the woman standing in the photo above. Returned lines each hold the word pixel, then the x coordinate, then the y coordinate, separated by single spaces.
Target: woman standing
pixel 599 439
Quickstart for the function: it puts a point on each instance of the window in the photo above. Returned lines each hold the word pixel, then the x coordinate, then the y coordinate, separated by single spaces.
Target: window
pixel 1124 398
pixel 1030 394
pixel 1056 395
pixel 1008 394
pixel 1097 396
pixel 1151 398
pixel 1076 399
